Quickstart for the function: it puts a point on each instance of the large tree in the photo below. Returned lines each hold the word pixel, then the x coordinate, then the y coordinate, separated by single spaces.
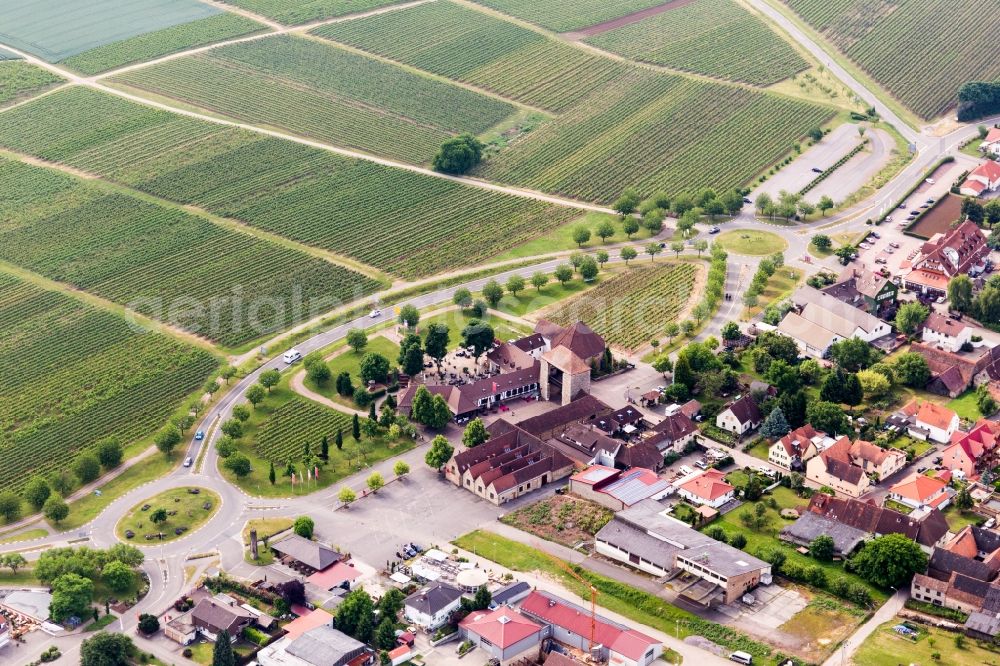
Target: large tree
pixel 889 561
pixel 118 576
pixel 458 154
pixel 853 354
pixel 374 367
pixel 106 649
pixel 168 438
pixel 439 453
pixel 774 425
pixel 910 316
pixel 110 452
pixel 822 548
pixel 436 343
pixel 911 370
pixel 828 417
pixel 71 596
pixel 478 335
pixel 960 293
pixel 475 433
pixel 222 654
pixel 492 292
pixel 354 615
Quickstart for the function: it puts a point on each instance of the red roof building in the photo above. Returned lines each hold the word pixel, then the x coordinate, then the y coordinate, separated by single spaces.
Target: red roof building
pixel 709 488
pixel 918 491
pixel 503 633
pixel 961 250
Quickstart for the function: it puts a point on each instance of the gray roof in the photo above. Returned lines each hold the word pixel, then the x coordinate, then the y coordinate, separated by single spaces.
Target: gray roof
pixel 310 553
pixel 983 623
pixel 433 598
pixel 325 646
pixel 216 616
pixel 811 525
pixel 511 592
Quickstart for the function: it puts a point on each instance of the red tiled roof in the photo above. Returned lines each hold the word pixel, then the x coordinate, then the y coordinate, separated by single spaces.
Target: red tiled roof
pixel 502 627
pixel 798 441
pixel 301 625
pixel 993 135
pixel 918 488
pixel 334 576
pixel 709 485
pixel 976 186
pixel 988 169
pixel 930 413
pixel 944 325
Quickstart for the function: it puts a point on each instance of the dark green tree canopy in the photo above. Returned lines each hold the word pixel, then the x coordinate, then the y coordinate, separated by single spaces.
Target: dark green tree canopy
pixel 458 155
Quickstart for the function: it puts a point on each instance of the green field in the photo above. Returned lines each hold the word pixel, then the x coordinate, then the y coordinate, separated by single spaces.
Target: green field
pixel 757 243
pixel 491 53
pixel 314 89
pixel 171 265
pixel 184 509
pixel 713 37
pixel 630 309
pixel 566 15
pixel 921 51
pixel 885 647
pixel 301 11
pixel 162 42
pixel 55 30
pixel 74 374
pixel 349 361
pixel 402 222
pixel 19 80
pixel 457 320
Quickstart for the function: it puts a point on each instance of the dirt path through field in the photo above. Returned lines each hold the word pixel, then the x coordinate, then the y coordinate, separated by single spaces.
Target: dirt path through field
pixel 622 21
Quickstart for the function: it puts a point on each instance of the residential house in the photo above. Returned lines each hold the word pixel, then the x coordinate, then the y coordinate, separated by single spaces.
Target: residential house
pixel 962 574
pixel 740 416
pixel 431 606
pixel 946 333
pixel 795 448
pixel 820 320
pixel 833 468
pixel 984 178
pixel 320 646
pixel 962 250
pixel 918 491
pixel 708 488
pixel 809 525
pixel 644 537
pixel 927 529
pixel 624 422
pixel 991 144
pixel 929 420
pixel 618 489
pixel 866 290
pixel 971 452
pixel 573 625
pixel 674 432
pixel 211 615
pixel 502 633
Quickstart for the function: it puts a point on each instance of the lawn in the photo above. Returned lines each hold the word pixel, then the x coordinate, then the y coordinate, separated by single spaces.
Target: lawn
pixel 456 320
pixel 966 406
pixel 184 510
pixel 958 519
pixel 25 536
pixel 350 361
pixel 779 287
pixel 755 243
pixel 266 528
pixel 760 449
pixel 561 239
pixel 532 299
pixel 886 648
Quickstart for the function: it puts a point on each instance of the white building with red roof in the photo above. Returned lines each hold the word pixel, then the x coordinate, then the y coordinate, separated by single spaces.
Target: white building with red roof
pixel 970 452
pixel 708 488
pixel 918 491
pixel 991 144
pixel 502 633
pixel 946 333
pixel 984 178
pixel 962 250
pixel 929 420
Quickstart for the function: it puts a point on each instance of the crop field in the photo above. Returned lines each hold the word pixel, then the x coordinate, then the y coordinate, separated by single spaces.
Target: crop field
pixel 566 15
pixel 54 30
pixel 921 51
pixel 162 42
pixel 656 132
pixel 19 80
pixel 471 46
pixel 8 55
pixel 326 93
pixel 171 265
pixel 713 37
pixel 74 374
pixel 284 434
pixel 629 310
pixel 401 222
pixel 294 12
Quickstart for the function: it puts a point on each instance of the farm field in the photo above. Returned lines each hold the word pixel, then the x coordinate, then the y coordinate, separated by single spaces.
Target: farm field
pixel 294 12
pixel 54 30
pixel 74 374
pixel 327 93
pixel 161 261
pixel 412 226
pixel 162 42
pixel 19 80
pixel 566 15
pixel 629 310
pixel 713 37
pixel 473 47
pixel 881 38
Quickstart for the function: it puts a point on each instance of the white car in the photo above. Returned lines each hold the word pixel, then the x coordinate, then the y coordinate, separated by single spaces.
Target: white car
pixel 375 314
pixel 291 356
pixel 930 181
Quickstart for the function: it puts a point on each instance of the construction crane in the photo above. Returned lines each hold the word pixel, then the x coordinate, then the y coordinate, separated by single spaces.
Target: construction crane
pixel 593 597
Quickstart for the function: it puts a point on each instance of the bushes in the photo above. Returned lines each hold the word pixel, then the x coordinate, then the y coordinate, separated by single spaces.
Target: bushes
pixel 937 611
pixel 255 636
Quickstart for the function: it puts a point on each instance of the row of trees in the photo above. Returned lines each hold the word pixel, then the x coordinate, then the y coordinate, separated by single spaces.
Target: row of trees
pixel 789 204
pixel 758 283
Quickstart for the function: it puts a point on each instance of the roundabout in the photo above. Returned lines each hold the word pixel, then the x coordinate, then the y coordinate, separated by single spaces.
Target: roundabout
pixel 168 516
pixel 751 242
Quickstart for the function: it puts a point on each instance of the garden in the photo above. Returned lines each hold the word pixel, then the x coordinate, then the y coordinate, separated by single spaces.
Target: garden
pixel 564 519
pixel 926 645
pixel 348 360
pixel 168 516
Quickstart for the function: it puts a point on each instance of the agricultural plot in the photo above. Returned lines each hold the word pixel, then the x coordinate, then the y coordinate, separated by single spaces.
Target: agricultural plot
pixel 473 47
pixel 19 80
pixel 326 93
pixel 290 427
pixel 630 310
pixel 566 15
pixel 713 37
pixel 921 51
pixel 55 30
pixel 163 42
pixel 74 374
pixel 8 55
pixel 405 223
pixel 294 12
pixel 656 132
pixel 226 286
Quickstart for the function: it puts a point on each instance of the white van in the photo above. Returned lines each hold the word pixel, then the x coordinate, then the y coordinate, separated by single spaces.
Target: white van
pixel 741 657
pixel 686 471
pixel 291 356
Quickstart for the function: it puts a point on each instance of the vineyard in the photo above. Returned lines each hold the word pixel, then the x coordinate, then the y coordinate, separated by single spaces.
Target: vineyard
pixel 630 310
pixel 326 93
pixel 405 223
pixel 294 12
pixel 162 42
pixel 74 374
pixel 921 51
pixel 19 80
pixel 55 31
pixel 656 132
pixel 566 15
pixel 226 286
pixel 714 37
pixel 473 47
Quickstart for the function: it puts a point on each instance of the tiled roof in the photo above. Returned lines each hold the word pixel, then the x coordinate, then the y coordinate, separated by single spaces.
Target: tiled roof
pixel 918 488
pixel 710 485
pixel 580 340
pixel 745 410
pixel 865 516
pixel 929 413
pixel 433 598
pixel 989 170
pixel 944 325
pixel 954 252
pixel 311 553
pixel 502 627
pixel 585 407
pixel 799 440
pixel 564 359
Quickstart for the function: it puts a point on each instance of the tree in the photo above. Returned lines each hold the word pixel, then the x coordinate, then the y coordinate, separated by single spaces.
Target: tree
pixel 822 242
pixel 385 635
pixel 815 134
pixel 825 204
pixel 663 364
pixel 581 235
pixel 910 316
pixel 109 452
pixel 269 378
pixel 391 603
pixel 700 245
pixel 354 615
pixel 462 298
pixel 589 269
pixel 409 316
pixel 563 273
pixel 492 292
pixel 627 202
pixel 774 425
pixel 148 624
pixel 239 465
pixel 874 384
pixel 436 343
pixel 806 209
pixel 158 516
pixel 255 395
pixel 605 230
pixel 168 438
pixel 10 506
pixel 401 468
pixel 458 154
pixel 852 354
pixel 118 576
pixel 304 526
pixel 232 428
pixel 628 254
pixel 479 336
pixel 106 649
pixel 242 413
pixel 36 491
pixel 356 426
pixel 222 654
pixel 960 293
pixel 827 417
pixel 346 495
pixel 515 283
pixel 271 475
pixel 475 433
pixel 676 247
pixel 14 561
pixel 55 509
pixel 373 367
pixel 963 500
pixel 763 203
pixel 375 481
pixel 439 452
pixel 357 340
pixel 539 280
pixel 672 330
pixel 730 331
pixel 71 596
pixel 630 226
pixel 852 392
pixel 822 548
pixel 992 210
pixel 911 370
pixel 482 599
pixel 440 414
pixel 889 561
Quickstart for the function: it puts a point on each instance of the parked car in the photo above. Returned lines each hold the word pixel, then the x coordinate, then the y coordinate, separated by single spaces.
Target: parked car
pixel 875 234
pixel 930 181
pixel 894 244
